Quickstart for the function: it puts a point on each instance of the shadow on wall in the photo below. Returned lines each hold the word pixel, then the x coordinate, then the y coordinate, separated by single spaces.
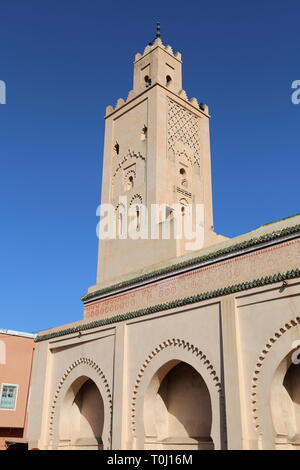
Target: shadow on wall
pixel 285 405
pixel 82 417
pixel 177 410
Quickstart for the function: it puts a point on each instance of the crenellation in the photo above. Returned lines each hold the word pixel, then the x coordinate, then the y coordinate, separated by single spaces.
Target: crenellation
pixel 169 49
pixel 131 95
pixel 194 102
pixel 158 43
pixel 120 103
pixel 109 110
pixel 182 94
pixel 147 49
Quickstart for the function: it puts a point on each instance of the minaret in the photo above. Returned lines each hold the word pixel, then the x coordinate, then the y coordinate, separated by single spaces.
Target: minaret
pixel 156 151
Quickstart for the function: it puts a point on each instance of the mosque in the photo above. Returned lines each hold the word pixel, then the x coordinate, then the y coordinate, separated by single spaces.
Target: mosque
pixel 178 348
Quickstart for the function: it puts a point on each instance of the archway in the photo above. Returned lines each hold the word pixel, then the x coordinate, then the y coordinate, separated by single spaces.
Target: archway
pixel 285 405
pixel 177 409
pixel 81 417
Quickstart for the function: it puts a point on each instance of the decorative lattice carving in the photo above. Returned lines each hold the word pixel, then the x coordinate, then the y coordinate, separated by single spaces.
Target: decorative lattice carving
pixel 183 126
pixel 173 343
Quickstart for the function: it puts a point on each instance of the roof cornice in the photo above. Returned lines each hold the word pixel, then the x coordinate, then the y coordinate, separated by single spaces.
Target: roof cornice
pixel 243 286
pixel 237 249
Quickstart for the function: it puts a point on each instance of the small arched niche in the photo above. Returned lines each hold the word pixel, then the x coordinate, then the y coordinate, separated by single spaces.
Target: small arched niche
pixel 81 417
pixel 148 81
pixel 183 177
pixel 129 183
pixel 184 205
pixel 168 80
pixel 177 409
pixel 285 404
pixel 121 222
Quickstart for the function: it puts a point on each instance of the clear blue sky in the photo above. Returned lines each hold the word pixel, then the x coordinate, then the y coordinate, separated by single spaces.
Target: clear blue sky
pixel 64 61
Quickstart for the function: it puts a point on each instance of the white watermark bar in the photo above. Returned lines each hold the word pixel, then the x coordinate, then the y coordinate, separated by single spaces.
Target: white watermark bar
pixel 159 222
pixel 295 97
pixel 2 92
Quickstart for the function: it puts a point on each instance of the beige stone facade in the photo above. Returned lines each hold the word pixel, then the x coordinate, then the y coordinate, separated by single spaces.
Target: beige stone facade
pixel 177 349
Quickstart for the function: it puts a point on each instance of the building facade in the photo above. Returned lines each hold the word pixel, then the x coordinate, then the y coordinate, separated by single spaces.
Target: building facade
pixel 16 354
pixel 178 349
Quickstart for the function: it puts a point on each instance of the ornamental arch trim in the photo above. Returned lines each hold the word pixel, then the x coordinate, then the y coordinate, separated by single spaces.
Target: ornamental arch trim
pixel 105 393
pixel 182 346
pixel 137 199
pixel 255 383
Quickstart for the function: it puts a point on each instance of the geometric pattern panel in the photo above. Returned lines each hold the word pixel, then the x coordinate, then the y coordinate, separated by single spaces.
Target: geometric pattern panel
pixel 183 126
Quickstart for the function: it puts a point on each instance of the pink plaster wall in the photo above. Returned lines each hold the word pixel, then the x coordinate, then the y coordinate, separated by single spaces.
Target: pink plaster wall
pixel 15 370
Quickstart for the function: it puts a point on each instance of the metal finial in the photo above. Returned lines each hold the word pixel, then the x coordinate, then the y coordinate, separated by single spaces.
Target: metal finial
pixel 157 29
pixel 157 35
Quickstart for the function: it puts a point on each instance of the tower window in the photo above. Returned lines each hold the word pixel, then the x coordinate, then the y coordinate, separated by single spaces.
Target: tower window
pixel 117 148
pixel 183 177
pixel 121 228
pixel 147 80
pixel 144 132
pixel 184 207
pixel 137 218
pixel 130 183
pixel 168 80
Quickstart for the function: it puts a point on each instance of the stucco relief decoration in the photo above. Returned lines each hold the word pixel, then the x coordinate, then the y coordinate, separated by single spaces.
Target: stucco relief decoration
pixel 89 363
pixel 185 157
pixel 258 369
pixel 171 343
pixel 183 126
pixel 137 199
pixel 130 158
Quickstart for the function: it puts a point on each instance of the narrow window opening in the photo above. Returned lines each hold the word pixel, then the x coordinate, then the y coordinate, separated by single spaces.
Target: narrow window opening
pixel 183 177
pixel 148 81
pixel 168 80
pixel 144 132
pixel 117 148
pixel 137 218
pixel 120 224
pixel 130 183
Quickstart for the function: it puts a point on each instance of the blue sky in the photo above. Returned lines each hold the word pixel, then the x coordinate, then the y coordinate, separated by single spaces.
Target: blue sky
pixel 64 61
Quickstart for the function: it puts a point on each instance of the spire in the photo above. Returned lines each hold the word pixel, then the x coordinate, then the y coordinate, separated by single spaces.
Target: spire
pixel 157 29
pixel 157 34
